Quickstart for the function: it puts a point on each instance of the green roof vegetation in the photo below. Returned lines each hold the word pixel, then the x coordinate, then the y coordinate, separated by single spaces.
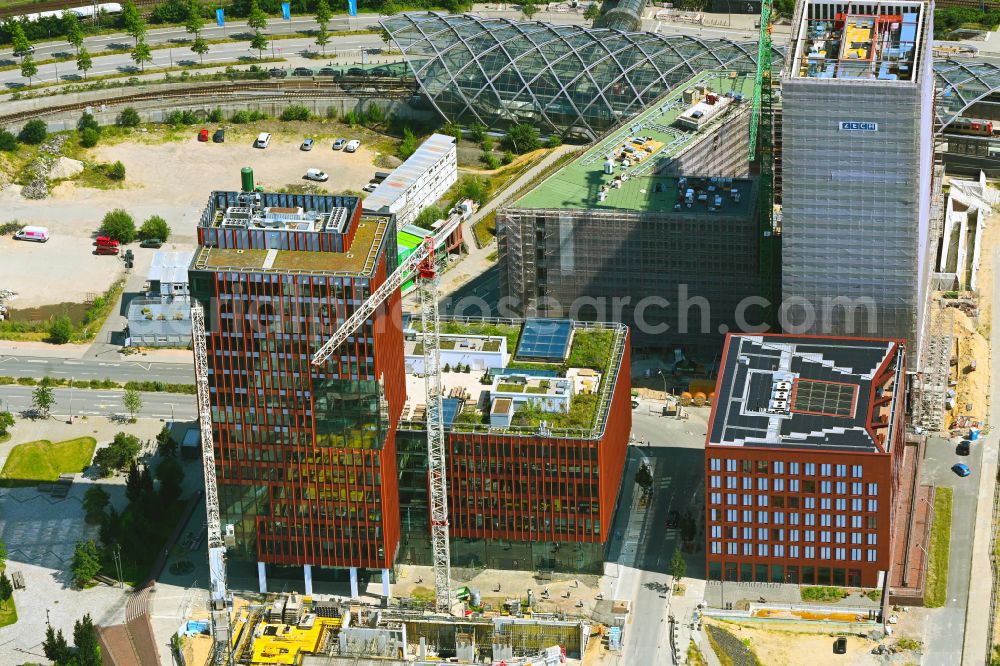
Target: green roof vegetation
pixel 577 184
pixel 510 388
pixel 582 409
pixel 591 349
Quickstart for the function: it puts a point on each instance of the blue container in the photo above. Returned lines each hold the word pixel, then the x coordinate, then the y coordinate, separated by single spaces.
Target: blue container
pixel 973 434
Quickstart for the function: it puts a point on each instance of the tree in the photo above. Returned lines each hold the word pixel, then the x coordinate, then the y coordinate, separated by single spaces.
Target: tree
pixel 89 138
pixel 322 38
pixel 256 18
pixel 120 454
pixel 528 9
pixel 522 138
pixel 135 26
pixel 42 398
pixel 132 402
pixel 323 13
pixel 116 171
pixel 170 475
pixel 18 40
pixel 678 567
pixel 592 12
pixel 61 328
pixel 200 46
pixel 6 422
pixel 644 477
pixel 87 121
pixel 129 117
pixel 74 33
pixel 95 500
pixel 142 54
pixel 111 527
pixel 154 227
pixel 88 651
pixel 6 589
pixel 409 144
pixel 83 61
pixel 166 445
pixel 119 225
pixel 194 23
pixel 3 554
pixel 133 483
pixel 8 142
pixel 28 67
pixel 55 646
pixel 258 42
pixel 86 563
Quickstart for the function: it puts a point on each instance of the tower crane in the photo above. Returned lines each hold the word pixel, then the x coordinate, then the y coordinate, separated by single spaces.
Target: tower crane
pixel 422 262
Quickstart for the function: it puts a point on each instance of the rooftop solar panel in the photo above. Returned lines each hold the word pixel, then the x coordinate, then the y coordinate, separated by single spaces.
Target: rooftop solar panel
pixel 546 339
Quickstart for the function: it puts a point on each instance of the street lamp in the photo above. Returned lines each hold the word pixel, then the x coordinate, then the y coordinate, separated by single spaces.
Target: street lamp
pixel 660 373
pixel 71 400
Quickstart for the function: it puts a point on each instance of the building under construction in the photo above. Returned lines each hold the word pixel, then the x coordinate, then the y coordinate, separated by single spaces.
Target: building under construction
pixel 537 416
pixel 654 226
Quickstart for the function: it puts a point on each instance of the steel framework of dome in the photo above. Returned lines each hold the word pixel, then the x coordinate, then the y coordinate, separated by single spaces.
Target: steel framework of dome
pixel 568 79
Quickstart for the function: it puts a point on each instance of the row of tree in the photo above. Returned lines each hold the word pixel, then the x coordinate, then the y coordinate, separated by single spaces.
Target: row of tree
pixel 43 397
pixel 85 650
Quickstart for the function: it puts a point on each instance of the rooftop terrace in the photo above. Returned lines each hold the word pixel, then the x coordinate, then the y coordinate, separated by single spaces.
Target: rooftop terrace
pixel 839 40
pixel 360 260
pixel 811 393
pixel 648 143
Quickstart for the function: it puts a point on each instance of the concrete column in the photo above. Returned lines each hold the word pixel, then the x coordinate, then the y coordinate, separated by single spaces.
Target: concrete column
pixel 262 576
pixel 386 587
pixel 308 571
pixel 354 582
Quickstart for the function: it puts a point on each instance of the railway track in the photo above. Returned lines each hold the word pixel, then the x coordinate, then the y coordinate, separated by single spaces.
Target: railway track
pixel 343 87
pixel 145 6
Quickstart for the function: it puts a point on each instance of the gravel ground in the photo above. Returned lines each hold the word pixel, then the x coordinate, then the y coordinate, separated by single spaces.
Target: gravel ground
pixel 171 179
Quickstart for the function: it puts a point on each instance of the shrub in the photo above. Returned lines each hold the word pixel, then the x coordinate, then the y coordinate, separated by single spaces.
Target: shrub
pixel 553 142
pixel 129 117
pixel 487 143
pixel 508 157
pixel 478 133
pixel 60 330
pixel 331 113
pixel 243 116
pixel 374 115
pixel 181 118
pixel 490 160
pixel 351 118
pixel 8 142
pixel 215 116
pixel 522 138
pixel 116 171
pixel 409 144
pixel 33 132
pixel 87 121
pixel 295 112
pixel 119 225
pixel 154 227
pixel 89 137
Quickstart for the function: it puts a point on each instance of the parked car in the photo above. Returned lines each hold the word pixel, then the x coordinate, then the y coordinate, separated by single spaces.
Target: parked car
pixel 380 176
pixel 219 136
pixel 106 249
pixel 105 240
pixel 673 519
pixel 302 71
pixel 277 73
pixel 352 145
pixel 370 187
pixel 151 242
pixel 963 448
pixel 355 71
pixel 20 53
pixel 327 71
pixel 203 135
pixel 840 645
pixel 339 144
pixel 961 469
pixel 316 174
pixel 36 234
pixel 263 140
pixel 306 145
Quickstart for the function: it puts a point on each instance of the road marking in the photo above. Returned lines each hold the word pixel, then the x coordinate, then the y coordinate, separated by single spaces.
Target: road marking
pixel 37 360
pixel 73 362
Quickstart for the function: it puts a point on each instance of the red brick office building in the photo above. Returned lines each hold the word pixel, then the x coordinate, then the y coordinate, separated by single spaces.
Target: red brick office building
pixel 802 459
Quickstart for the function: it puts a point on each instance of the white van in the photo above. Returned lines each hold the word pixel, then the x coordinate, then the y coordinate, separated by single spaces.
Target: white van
pixel 263 139
pixel 37 234
pixel 316 174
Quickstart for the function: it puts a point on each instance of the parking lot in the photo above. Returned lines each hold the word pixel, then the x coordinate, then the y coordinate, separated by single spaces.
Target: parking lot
pixel 171 179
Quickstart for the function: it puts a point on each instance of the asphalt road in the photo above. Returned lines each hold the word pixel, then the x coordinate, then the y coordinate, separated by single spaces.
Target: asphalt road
pixel 121 63
pixel 108 403
pixel 86 369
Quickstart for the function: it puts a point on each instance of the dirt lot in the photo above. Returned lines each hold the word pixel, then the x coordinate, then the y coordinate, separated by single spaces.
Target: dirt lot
pixel 169 178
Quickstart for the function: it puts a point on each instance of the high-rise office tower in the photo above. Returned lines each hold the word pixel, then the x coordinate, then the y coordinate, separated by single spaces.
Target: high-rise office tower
pixel 857 119
pixel 305 455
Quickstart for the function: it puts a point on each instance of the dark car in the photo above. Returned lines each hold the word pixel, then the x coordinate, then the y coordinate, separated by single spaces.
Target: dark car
pixel 963 448
pixel 277 73
pixel 961 469
pixel 840 645
pixel 356 71
pixel 327 71
pixel 302 71
pixel 219 136
pixel 673 519
pixel 151 242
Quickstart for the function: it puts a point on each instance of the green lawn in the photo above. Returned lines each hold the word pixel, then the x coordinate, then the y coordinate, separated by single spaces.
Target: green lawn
pixel 32 463
pixel 8 613
pixel 936 591
pixel 822 593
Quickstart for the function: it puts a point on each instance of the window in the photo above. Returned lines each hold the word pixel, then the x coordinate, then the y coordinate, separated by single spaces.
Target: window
pixel 841 470
pixel 856 538
pixel 716 548
pixel 793 519
pixel 824 536
pixel 871 555
pixel 873 505
pixel 824 469
pixel 761 500
pixel 716 498
pixel 793 485
pixel 872 522
pixel 793 502
pixel 715 464
pixel 730 465
pixel 856 505
pixel 810 469
pixel 748 500
pixel 810 502
pixel 824 503
pixel 810 552
pixel 856 488
pixel 731 482
pixel 762 484
pixel 779 485
pixel 716 481
pixel 779 550
pixel 731 498
pixel 731 515
pixel 856 472
pixel 747 483
pixel 824 519
pixel 748 549
pixel 856 522
pixel 825 487
pixel 841 520
pixel 824 552
pixel 840 553
pixel 762 467
pixel 779 517
pixel 716 531
pixel 841 487
pixel 762 534
pixel 731 548
pixel 778 501
pixel 747 533
pixel 810 535
pixel 748 516
pixel 762 517
pixel 793 535
pixel 714 513
pixel 810 519
pixel 762 550
pixel 872 539
pixel 841 504
pixel 778 467
pixel 793 551
pixel 809 486
pixel 793 468
pixel 734 532
pixel 856 554
pixel 746 466
pixel 873 489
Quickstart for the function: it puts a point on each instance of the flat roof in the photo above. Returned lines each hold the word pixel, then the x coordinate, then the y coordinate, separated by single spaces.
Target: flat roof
pixel 427 155
pixel 169 266
pixel 814 393
pixel 577 185
pixel 842 40
pixel 360 260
